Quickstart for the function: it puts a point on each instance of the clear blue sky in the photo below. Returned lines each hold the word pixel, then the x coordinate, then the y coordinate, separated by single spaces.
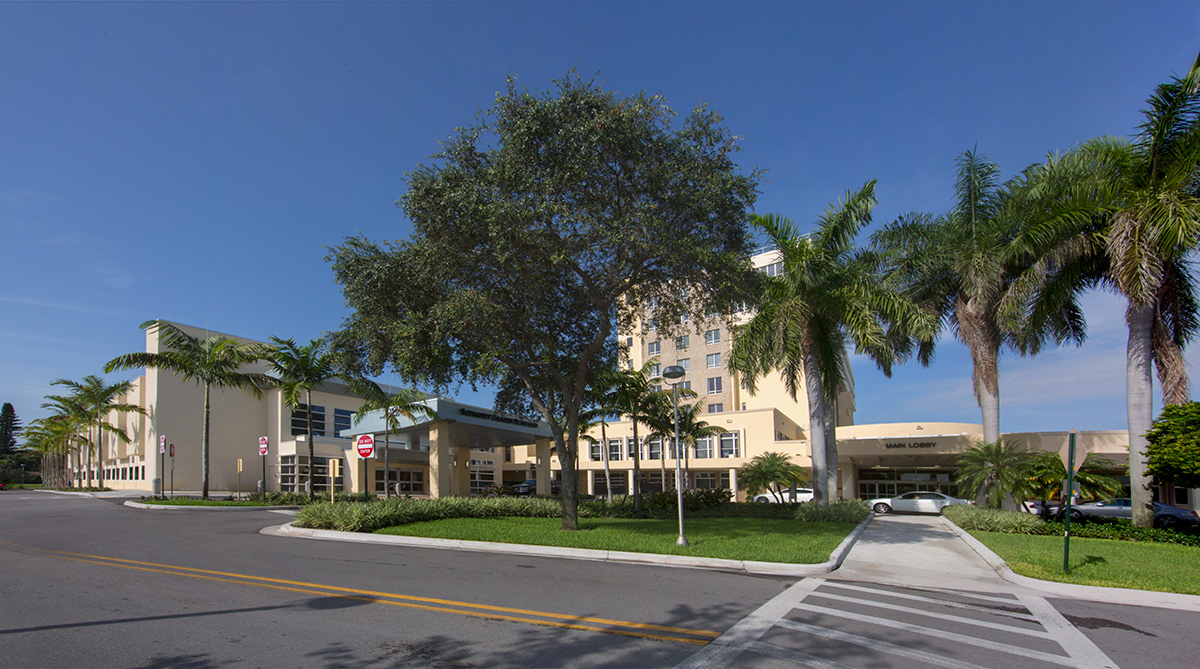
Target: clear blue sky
pixel 194 161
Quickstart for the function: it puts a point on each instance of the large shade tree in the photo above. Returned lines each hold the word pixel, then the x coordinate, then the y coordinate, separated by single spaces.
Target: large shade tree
pixel 829 295
pixel 213 362
pixel 301 369
pixel 539 232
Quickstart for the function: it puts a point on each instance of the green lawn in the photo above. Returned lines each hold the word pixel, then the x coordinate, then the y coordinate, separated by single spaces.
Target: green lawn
pixel 757 539
pixel 1103 562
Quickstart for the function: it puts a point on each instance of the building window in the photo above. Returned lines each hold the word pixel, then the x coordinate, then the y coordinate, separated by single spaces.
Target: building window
pixel 342 420
pixel 655 449
pixel 774 269
pixel 651 323
pixel 681 343
pixel 654 348
pixel 655 369
pixel 632 449
pixel 716 408
pixel 704 447
pixel 482 479
pixel 685 385
pixel 656 387
pixel 714 386
pixel 614 449
pixel 713 360
pixel 300 420
pixel 712 480
pixel 595 451
pixel 402 481
pixel 729 445
pixel 712 337
pixel 293 472
pixel 685 363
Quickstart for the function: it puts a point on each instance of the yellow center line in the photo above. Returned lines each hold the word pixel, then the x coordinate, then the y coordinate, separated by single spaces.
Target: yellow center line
pixel 410 601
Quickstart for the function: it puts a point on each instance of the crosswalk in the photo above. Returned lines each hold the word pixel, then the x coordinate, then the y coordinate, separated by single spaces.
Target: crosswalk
pixel 825 623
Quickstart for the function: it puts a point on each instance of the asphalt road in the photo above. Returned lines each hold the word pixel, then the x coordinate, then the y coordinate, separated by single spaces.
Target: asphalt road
pixel 89 583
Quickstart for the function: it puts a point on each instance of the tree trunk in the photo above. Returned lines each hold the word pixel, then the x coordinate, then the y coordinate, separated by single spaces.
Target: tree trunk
pixel 570 483
pixel 607 472
pixel 637 467
pixel 831 450
pixel 312 465
pixel 1139 390
pixel 816 428
pixel 99 454
pixel 204 445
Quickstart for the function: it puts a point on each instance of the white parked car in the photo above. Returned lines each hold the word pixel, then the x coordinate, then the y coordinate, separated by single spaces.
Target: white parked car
pixel 922 501
pixel 784 496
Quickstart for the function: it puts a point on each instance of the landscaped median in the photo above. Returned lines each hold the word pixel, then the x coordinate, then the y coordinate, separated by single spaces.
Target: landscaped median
pixel 737 534
pixel 1158 560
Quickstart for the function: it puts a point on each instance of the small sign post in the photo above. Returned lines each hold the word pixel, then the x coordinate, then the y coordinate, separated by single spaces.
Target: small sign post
pixel 335 467
pixel 1067 502
pixel 239 479
pixel 264 445
pixel 172 471
pixel 162 463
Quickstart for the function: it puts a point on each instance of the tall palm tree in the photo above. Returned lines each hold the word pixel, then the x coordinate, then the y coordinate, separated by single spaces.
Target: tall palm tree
pixel 54 437
pixel 996 470
pixel 638 400
pixel 691 428
pixel 69 414
pixel 828 295
pixel 401 404
pixel 214 362
pixel 960 264
pixel 1146 193
pixel 302 368
pixel 96 399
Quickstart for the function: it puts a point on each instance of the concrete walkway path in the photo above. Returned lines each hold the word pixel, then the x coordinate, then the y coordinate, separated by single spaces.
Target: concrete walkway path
pixel 919 552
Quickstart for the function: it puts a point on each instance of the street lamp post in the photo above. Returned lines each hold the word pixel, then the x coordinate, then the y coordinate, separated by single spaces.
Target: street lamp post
pixel 673 373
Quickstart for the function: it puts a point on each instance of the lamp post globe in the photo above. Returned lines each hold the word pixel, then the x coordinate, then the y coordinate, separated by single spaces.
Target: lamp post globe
pixel 674 373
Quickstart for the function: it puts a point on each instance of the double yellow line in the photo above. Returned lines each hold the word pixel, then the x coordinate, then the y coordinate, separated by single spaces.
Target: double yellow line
pixel 622 627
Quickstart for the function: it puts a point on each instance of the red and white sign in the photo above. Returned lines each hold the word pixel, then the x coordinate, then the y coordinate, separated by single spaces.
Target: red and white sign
pixel 366 445
pixel 262 445
pixel 162 443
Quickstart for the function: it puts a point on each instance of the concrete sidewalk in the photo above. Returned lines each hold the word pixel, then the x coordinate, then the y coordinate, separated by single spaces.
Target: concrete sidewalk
pixel 931 552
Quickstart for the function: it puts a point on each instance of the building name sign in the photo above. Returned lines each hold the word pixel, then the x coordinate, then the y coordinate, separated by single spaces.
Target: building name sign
pixel 497 417
pixel 916 444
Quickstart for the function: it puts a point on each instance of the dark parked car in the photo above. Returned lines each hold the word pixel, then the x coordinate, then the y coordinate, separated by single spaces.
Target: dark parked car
pixel 526 487
pixel 1164 515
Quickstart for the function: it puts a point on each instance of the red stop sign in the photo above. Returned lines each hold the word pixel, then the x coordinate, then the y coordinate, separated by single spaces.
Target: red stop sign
pixel 366 445
pixel 262 445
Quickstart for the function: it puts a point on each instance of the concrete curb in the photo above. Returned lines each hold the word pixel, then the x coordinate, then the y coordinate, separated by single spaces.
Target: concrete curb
pixel 745 566
pixel 1091 593
pixel 169 507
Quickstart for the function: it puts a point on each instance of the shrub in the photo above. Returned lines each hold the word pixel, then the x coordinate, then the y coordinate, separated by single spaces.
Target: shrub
pixel 279 498
pixel 983 519
pixel 841 511
pixel 378 514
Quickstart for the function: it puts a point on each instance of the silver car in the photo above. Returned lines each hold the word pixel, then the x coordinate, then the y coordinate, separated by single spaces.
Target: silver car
pixel 922 501
pixel 785 496
pixel 1121 507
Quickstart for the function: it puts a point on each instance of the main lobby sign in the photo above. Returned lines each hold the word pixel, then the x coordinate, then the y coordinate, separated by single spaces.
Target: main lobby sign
pixel 915 444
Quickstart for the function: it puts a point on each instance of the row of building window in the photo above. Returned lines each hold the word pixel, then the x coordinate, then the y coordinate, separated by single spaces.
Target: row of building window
pixel 683 341
pixel 653 481
pixel 342 420
pixel 724 446
pixel 136 473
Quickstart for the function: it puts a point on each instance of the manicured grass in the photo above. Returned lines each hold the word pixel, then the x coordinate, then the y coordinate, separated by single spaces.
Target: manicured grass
pixel 1103 562
pixel 185 501
pixel 756 539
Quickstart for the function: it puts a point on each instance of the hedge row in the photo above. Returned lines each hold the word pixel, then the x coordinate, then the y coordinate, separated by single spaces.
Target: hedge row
pixel 1015 522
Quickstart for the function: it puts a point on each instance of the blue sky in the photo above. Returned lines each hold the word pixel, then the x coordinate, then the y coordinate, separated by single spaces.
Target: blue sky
pixel 194 161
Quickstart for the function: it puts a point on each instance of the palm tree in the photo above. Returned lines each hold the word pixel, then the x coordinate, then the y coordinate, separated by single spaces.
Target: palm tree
pixel 828 295
pixel 637 398
pixel 214 362
pixel 1048 477
pixel 69 414
pixel 54 437
pixel 994 469
pixel 691 428
pixel 771 470
pixel 1146 193
pixel 960 264
pixel 401 404
pixel 302 368
pixel 95 400
pixel 660 417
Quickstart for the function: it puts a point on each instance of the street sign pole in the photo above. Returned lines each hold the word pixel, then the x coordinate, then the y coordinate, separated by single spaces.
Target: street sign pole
pixel 162 464
pixel 172 471
pixel 1067 502
pixel 263 445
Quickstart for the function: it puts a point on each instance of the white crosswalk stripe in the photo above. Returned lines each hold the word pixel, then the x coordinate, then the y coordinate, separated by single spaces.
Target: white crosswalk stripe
pixel 817 623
